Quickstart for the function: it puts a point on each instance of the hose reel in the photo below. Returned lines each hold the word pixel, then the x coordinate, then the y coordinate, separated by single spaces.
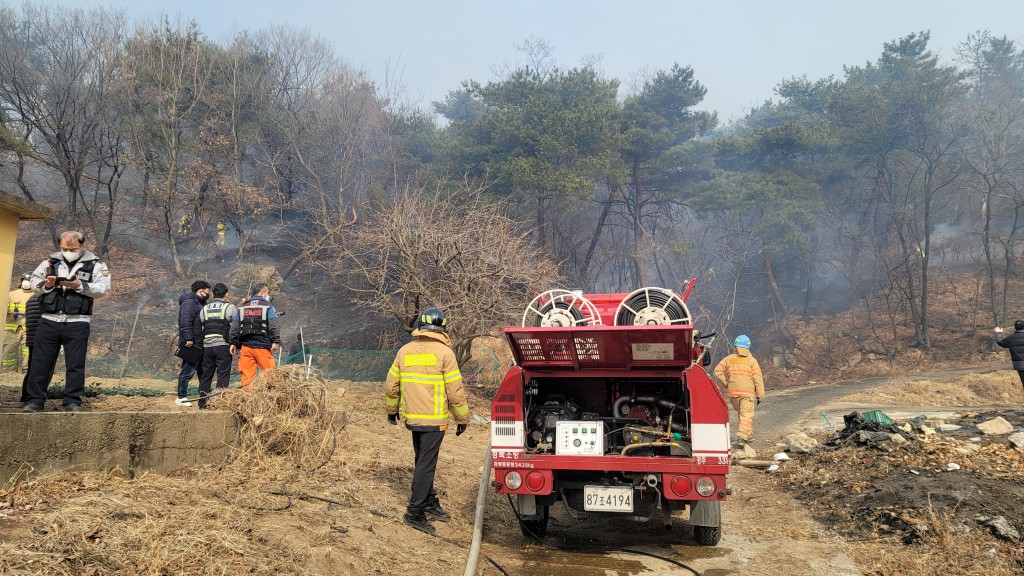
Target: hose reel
pixel 560 308
pixel 652 307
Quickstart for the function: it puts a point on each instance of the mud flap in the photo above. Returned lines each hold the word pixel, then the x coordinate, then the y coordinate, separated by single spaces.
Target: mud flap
pixel 527 505
pixel 706 513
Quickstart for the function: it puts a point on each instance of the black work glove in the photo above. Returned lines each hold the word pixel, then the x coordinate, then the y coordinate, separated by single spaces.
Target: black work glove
pixel 460 429
pixel 393 419
pixel 759 401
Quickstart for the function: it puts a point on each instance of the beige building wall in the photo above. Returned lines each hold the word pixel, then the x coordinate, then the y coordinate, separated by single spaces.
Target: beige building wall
pixel 8 238
pixel 12 210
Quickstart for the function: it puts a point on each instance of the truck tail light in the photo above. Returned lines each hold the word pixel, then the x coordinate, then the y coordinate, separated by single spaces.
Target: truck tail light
pixel 680 485
pixel 705 486
pixel 513 480
pixel 535 481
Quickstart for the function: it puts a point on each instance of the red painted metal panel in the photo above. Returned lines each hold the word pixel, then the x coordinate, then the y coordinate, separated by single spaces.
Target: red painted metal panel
pixel 602 347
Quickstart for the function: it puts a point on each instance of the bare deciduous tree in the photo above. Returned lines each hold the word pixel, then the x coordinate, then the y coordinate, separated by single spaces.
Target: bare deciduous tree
pixel 59 71
pixel 448 249
pixel 167 74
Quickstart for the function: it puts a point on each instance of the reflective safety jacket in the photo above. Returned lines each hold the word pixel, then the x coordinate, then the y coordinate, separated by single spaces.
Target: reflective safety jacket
pixel 741 374
pixel 424 382
pixel 16 309
pixel 256 325
pixel 216 319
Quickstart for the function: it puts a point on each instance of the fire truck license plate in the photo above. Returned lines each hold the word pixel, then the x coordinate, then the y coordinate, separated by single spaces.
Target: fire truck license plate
pixel 608 498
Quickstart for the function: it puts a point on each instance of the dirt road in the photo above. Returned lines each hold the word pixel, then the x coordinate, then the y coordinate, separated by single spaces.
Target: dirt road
pixel 790 409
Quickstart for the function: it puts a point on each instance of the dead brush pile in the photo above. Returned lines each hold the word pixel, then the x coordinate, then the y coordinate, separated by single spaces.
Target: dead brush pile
pixel 283 415
pixel 224 519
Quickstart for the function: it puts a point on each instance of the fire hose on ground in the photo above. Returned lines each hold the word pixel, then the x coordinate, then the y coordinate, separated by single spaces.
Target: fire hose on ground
pixel 478 519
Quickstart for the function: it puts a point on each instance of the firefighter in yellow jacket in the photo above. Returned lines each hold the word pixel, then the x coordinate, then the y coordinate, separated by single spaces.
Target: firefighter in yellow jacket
pixel 422 385
pixel 15 352
pixel 741 375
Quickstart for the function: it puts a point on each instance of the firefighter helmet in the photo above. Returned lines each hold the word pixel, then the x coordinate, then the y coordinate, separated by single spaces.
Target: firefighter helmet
pixel 742 341
pixel 433 319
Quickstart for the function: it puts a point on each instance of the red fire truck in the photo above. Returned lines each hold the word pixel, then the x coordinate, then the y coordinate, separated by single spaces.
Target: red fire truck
pixel 609 409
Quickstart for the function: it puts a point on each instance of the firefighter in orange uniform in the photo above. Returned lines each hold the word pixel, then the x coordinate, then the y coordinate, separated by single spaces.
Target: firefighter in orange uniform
pixel 741 375
pixel 422 384
pixel 255 335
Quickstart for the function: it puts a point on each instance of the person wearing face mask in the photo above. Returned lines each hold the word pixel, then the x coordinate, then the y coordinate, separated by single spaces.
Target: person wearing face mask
pixel 15 353
pixel 190 335
pixel 69 281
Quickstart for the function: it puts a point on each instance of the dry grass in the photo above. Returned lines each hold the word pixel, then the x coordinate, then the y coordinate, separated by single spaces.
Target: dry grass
pixel 205 521
pixel 948 547
pixel 994 388
pixel 286 502
pixel 106 524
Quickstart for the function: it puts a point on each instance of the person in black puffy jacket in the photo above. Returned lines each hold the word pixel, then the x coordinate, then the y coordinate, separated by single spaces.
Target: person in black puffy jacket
pixel 1015 343
pixel 33 310
pixel 190 334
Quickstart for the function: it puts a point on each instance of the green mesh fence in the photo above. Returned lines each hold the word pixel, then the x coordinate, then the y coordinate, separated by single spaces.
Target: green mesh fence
pixel 333 363
pixel 111 367
pixel 355 365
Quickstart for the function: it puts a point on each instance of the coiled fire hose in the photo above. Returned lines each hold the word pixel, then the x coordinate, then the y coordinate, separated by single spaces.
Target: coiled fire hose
pixel 478 520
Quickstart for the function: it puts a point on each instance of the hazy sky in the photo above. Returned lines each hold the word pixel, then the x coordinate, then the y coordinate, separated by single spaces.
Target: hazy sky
pixel 738 49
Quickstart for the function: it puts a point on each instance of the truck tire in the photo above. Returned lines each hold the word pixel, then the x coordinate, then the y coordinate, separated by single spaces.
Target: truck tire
pixel 536 529
pixel 707 535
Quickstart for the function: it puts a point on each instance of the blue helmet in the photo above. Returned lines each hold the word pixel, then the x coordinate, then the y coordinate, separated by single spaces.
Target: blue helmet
pixel 742 341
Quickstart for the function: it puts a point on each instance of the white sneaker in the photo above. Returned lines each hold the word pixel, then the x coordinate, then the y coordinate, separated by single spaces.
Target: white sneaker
pixel 182 402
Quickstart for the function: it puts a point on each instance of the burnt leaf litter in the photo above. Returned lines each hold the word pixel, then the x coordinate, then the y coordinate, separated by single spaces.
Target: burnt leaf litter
pixel 904 482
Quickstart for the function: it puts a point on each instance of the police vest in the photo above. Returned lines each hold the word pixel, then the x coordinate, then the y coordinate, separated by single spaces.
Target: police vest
pixel 215 323
pixel 253 321
pixel 66 300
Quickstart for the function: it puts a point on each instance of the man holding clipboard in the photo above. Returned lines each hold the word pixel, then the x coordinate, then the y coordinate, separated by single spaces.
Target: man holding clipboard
pixel 190 337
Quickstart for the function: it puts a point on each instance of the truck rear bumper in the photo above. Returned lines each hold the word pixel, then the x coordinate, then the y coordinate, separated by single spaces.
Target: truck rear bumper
pixel 677 477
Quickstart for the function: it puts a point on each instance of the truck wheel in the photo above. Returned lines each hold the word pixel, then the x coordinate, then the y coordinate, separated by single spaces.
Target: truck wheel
pixel 536 529
pixel 707 535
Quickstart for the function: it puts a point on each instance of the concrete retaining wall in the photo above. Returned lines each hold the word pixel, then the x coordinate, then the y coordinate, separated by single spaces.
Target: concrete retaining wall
pixel 129 441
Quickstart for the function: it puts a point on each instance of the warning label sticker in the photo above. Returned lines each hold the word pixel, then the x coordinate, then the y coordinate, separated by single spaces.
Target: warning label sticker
pixel 653 351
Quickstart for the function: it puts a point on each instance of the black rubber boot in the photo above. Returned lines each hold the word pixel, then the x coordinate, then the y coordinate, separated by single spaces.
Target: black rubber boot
pixel 435 512
pixel 418 521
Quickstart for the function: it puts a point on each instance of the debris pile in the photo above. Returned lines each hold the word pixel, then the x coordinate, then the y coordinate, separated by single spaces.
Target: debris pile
pixel 953 491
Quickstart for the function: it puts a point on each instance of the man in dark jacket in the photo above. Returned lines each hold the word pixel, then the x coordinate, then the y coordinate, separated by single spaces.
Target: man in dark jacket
pixel 33 311
pixel 190 334
pixel 1015 342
